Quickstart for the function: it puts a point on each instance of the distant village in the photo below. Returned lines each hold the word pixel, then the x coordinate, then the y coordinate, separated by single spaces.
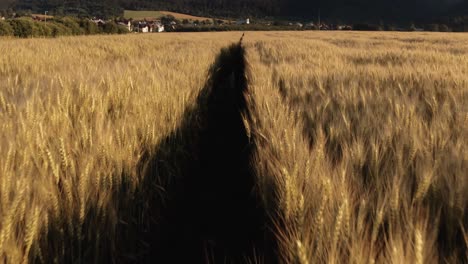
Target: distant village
pixel 152 25
pixel 145 26
pixel 171 24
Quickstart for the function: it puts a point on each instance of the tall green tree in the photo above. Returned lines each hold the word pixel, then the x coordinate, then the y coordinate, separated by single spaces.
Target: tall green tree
pixel 5 29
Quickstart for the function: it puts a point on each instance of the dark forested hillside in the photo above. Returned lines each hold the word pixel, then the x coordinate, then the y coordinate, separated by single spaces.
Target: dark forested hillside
pixel 344 10
pixel 4 4
pixel 103 8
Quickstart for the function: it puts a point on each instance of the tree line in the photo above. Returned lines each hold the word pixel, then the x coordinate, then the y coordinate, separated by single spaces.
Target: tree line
pixel 65 26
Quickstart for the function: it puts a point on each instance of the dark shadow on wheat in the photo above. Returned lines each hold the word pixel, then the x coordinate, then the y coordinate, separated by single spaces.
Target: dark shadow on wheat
pixel 210 211
pixel 197 201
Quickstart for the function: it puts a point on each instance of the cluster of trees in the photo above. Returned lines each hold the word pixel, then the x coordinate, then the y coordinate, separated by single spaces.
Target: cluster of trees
pixel 65 26
pixel 288 27
pixel 457 24
pixel 454 23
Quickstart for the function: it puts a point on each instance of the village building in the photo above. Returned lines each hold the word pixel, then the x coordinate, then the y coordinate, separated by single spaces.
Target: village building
pixel 243 21
pixel 310 25
pixel 98 22
pixel 324 26
pixel 148 26
pixel 142 27
pixel 160 28
pixel 127 24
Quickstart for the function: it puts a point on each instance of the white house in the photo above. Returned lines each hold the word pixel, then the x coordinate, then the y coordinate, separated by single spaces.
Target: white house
pixel 98 22
pixel 148 26
pixel 310 25
pixel 129 25
pixel 160 28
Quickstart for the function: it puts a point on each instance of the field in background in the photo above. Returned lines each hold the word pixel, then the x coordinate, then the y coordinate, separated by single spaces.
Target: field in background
pixel 158 14
pixel 356 147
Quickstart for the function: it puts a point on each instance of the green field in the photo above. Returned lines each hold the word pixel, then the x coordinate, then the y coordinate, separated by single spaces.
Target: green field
pixel 158 14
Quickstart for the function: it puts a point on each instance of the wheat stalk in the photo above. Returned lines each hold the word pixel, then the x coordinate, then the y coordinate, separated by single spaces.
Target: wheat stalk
pixel 419 247
pixel 395 201
pixel 339 223
pixel 423 187
pixel 361 216
pixel 301 253
pixel 3 103
pixel 377 222
pixel 9 219
pixel 55 168
pixel 63 155
pixel 31 233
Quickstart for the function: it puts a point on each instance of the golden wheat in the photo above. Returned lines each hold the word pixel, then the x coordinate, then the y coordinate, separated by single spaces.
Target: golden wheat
pixel 359 138
pixel 78 107
pixel 384 116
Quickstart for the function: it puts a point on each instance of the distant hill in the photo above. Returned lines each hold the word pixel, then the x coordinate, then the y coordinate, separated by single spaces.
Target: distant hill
pixel 340 10
pixel 4 4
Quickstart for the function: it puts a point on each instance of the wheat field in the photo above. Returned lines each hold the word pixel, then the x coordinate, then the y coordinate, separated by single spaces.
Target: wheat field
pixel 374 128
pixel 113 148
